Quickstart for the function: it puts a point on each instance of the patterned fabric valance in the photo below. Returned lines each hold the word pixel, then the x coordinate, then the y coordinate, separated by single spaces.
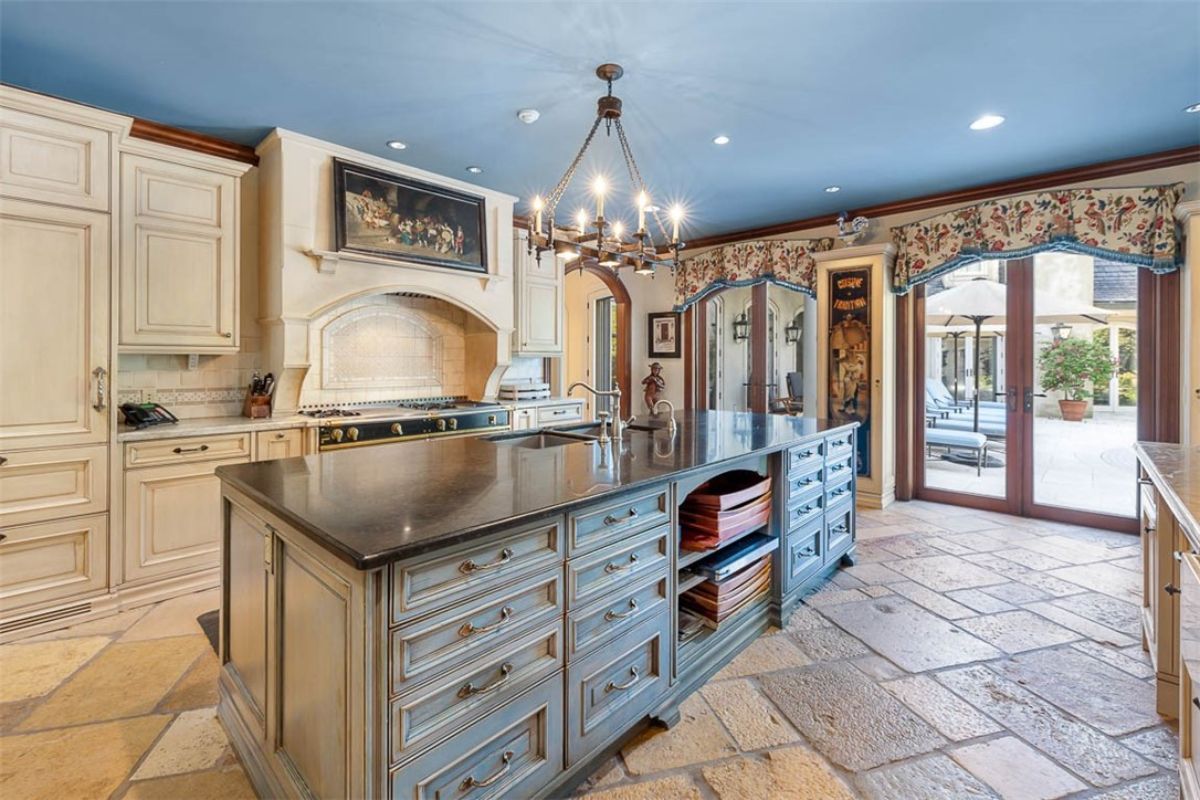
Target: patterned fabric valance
pixel 785 262
pixel 1134 226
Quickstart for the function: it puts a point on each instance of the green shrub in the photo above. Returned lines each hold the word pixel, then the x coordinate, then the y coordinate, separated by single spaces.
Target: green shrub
pixel 1127 388
pixel 1069 365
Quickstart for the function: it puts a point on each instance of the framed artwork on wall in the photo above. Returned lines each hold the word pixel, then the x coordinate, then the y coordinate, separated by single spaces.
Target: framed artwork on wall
pixel 380 214
pixel 663 335
pixel 849 342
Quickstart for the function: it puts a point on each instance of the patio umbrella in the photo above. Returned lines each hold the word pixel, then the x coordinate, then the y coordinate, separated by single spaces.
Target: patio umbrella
pixel 982 300
pixel 956 332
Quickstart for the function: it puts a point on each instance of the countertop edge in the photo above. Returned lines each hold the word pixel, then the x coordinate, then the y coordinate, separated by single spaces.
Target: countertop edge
pixel 1181 512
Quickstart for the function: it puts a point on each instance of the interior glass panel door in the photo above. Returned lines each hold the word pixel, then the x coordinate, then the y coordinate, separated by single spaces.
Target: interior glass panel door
pixel 605 355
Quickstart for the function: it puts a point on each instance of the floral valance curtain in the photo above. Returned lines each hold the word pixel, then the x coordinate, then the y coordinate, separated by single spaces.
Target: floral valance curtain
pixel 1134 226
pixel 788 263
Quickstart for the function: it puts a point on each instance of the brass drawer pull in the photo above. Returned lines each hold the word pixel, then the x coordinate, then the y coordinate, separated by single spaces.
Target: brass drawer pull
pixel 468 690
pixel 180 450
pixel 611 520
pixel 620 687
pixel 469 565
pixel 610 615
pixel 1171 588
pixel 611 568
pixel 472 782
pixel 470 629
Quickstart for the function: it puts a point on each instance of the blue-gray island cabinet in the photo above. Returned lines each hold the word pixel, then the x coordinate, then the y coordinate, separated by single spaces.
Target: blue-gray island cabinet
pixel 479 618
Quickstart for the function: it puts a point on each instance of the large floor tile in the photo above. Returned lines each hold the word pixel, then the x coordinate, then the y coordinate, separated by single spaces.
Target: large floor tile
pixel 949 714
pixel 944 573
pixel 1103 577
pixel 195 741
pixel 790 773
pixel 32 670
pixel 675 787
pixel 749 717
pixel 697 737
pixel 1018 631
pixel 230 784
pixel 766 654
pixel 933 777
pixel 174 617
pixel 1016 771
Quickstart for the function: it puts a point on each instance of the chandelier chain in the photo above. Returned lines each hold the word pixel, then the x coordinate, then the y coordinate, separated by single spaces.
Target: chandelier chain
pixel 565 180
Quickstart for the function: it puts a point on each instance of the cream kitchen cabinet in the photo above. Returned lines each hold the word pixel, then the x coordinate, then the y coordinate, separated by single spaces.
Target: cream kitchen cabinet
pixel 50 483
pixel 538 301
pixel 173 509
pixel 59 560
pixel 270 445
pixel 54 318
pixel 53 160
pixel 179 257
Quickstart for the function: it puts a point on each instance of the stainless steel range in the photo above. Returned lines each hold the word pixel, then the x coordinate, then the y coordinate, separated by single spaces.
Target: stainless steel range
pixel 405 421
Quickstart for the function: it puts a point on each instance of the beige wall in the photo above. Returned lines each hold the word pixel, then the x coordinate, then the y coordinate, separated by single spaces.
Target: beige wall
pixel 580 289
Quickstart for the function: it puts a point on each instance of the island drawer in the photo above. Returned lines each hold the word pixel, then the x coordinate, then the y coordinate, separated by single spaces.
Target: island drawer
pixel 469 693
pixel 429 582
pixel 840 443
pixel 839 531
pixel 598 525
pixel 802 457
pixel 804 554
pixel 802 483
pixel 513 752
pixel 618 566
pixel 806 510
pixel 183 450
pixel 435 644
pixel 839 490
pixel 614 687
pixel 559 414
pixel 615 613
pixel 837 467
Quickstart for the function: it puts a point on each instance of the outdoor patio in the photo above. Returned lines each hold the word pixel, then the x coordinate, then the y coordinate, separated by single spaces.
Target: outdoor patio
pixel 1088 465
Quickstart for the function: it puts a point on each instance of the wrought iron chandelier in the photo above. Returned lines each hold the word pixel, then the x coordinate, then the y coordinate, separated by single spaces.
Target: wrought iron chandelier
pixel 607 242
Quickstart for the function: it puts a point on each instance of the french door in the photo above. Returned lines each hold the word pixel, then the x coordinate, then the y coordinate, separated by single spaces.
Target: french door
pixel 1002 345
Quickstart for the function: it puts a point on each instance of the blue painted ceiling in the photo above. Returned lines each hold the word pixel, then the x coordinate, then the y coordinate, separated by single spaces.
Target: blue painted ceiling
pixel 872 96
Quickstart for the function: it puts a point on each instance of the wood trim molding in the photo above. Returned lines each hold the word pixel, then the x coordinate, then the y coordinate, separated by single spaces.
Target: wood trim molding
pixel 687 323
pixel 904 384
pixel 620 293
pixel 190 140
pixel 1030 183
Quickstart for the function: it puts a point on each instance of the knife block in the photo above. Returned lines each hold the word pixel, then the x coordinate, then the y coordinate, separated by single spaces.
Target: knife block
pixel 257 406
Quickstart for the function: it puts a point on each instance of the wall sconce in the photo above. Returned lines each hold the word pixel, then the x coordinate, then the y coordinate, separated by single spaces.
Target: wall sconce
pixel 1060 331
pixel 741 328
pixel 791 333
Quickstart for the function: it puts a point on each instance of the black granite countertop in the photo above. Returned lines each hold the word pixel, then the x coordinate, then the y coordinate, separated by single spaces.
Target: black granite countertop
pixel 372 505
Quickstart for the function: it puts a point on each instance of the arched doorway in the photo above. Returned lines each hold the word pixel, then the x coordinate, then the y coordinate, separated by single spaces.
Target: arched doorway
pixel 623 305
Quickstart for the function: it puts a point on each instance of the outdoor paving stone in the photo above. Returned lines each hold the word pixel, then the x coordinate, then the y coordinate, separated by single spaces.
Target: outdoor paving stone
pixel 1100 695
pixel 1093 630
pixel 944 573
pixel 932 777
pixel 748 716
pixel 1118 658
pixel 765 654
pixel 1165 787
pixel 829 644
pixel 1107 611
pixel 1015 593
pixel 848 717
pixel 908 635
pixel 874 573
pixel 950 715
pixel 1103 577
pixel 791 773
pixel 1031 560
pixel 1018 631
pixel 931 600
pixel 977 601
pixel 1160 745
pixel 697 737
pixel 1016 771
pixel 1080 748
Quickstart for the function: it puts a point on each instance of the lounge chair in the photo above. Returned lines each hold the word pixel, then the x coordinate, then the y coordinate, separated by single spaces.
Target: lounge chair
pixel 973 443
pixel 939 392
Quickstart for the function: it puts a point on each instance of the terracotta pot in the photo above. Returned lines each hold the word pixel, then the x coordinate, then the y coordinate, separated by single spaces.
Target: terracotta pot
pixel 1072 410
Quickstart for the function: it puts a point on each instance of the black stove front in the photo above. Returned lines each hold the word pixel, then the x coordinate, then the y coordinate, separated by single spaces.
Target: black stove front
pixel 356 433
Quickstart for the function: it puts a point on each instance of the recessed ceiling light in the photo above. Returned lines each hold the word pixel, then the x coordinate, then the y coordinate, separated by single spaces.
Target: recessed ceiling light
pixel 529 115
pixel 474 170
pixel 1193 108
pixel 396 144
pixel 987 121
pixel 832 189
pixel 722 139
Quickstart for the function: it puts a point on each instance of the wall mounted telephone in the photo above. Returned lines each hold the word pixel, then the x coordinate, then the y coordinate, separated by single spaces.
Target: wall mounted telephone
pixel 143 415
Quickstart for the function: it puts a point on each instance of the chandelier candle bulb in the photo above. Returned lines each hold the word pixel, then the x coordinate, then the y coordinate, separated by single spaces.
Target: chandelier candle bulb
pixel 537 213
pixel 642 201
pixel 676 216
pixel 581 219
pixel 599 187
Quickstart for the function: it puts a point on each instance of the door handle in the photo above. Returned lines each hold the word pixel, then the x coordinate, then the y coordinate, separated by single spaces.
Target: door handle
pixel 1029 395
pixel 1171 588
pixel 99 373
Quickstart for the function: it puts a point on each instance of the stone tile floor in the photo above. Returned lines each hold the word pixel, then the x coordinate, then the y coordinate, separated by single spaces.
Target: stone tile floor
pixel 968 655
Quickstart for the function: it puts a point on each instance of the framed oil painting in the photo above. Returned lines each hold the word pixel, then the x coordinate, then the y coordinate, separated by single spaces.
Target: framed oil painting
pixel 663 335
pixel 380 214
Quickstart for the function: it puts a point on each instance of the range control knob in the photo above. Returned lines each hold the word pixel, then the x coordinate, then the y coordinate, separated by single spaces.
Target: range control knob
pixel 454 423
pixel 491 419
pixel 336 434
pixel 397 429
pixel 441 424
pixel 352 434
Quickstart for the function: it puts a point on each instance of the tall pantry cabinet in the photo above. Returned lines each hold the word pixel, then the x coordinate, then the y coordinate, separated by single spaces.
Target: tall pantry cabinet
pixel 66 236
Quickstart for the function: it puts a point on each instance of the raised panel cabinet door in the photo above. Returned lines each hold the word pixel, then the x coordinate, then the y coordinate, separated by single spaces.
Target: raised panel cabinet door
pixel 53 561
pixel 541 317
pixel 248 568
pixel 270 445
pixel 54 315
pixel 172 519
pixel 53 161
pixel 51 483
pixel 179 267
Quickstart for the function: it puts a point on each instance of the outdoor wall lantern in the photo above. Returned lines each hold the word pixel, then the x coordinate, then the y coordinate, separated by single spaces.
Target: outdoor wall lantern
pixel 741 328
pixel 1060 331
pixel 791 333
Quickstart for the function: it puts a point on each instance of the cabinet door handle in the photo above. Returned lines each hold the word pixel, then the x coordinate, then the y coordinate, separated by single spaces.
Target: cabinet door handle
pixel 100 374
pixel 180 450
pixel 611 568
pixel 620 687
pixel 468 690
pixel 1171 588
pixel 610 615
pixel 471 782
pixel 227 335
pixel 470 629
pixel 611 520
pixel 470 566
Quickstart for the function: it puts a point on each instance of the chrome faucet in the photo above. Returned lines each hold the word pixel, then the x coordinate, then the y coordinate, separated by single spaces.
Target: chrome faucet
pixel 618 424
pixel 671 426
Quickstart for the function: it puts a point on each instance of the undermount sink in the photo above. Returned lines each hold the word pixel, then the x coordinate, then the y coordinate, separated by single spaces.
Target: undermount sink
pixel 540 440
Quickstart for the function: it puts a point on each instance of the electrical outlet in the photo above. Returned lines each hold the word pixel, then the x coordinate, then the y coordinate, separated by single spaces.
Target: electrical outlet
pixel 149 395
pixel 193 361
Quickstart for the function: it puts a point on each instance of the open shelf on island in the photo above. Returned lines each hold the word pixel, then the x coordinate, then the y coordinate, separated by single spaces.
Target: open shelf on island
pixel 687 557
pixel 688 581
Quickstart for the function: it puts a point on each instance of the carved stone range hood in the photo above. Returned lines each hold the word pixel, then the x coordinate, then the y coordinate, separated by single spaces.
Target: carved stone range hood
pixel 306 287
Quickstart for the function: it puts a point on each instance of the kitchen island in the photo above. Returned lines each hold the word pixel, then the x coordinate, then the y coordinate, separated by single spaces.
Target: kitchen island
pixel 492 617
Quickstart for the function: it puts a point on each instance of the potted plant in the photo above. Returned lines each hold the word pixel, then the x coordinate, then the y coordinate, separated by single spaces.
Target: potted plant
pixel 1069 366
